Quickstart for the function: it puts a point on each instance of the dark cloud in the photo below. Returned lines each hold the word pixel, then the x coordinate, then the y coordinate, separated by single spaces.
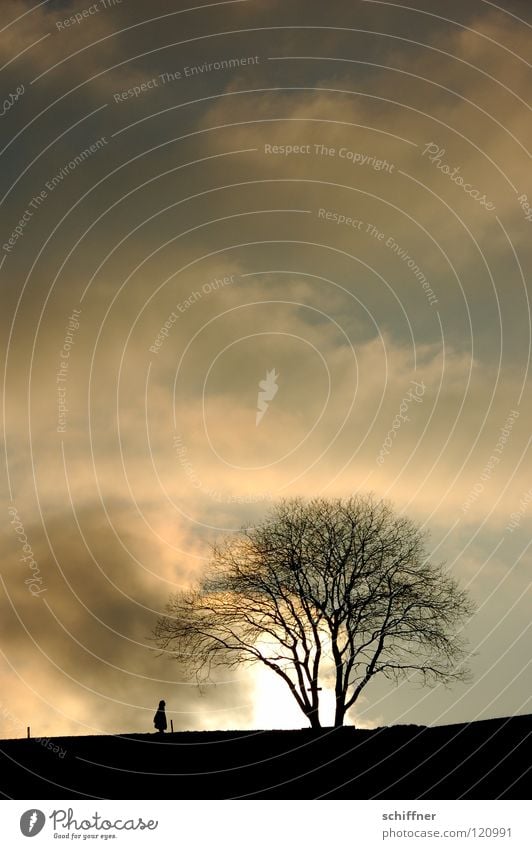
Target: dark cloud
pixel 180 227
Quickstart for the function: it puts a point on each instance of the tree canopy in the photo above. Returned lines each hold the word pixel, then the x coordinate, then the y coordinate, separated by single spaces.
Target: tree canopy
pixel 321 588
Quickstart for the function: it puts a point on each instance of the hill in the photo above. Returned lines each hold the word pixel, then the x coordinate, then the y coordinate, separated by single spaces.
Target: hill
pixel 480 760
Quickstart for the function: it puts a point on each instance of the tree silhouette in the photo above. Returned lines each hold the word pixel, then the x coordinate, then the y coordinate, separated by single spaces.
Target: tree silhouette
pixel 323 588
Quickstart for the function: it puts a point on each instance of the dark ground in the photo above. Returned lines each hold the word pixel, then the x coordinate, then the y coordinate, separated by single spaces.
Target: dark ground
pixel 481 760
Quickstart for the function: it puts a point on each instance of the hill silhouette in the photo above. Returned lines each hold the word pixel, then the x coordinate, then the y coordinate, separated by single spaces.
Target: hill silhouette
pixel 481 760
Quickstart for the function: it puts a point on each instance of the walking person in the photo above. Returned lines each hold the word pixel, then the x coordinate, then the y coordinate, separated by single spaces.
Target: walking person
pixel 159 720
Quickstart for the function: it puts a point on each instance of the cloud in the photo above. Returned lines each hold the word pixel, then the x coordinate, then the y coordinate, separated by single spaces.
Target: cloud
pixel 330 250
pixel 86 636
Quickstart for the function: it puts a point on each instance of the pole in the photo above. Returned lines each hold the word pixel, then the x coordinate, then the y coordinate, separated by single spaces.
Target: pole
pixel 28 729
pixel 315 710
pixel 172 725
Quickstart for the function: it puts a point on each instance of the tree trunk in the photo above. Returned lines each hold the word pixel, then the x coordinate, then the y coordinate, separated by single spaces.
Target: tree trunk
pixel 314 718
pixel 339 713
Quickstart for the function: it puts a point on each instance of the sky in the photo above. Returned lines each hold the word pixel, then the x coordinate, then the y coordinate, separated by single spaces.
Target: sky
pixel 319 212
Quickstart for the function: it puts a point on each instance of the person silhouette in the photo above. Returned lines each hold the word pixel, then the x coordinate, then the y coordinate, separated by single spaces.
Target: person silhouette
pixel 159 720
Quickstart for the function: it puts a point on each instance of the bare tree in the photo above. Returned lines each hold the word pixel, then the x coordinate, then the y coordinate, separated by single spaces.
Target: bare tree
pixel 320 588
